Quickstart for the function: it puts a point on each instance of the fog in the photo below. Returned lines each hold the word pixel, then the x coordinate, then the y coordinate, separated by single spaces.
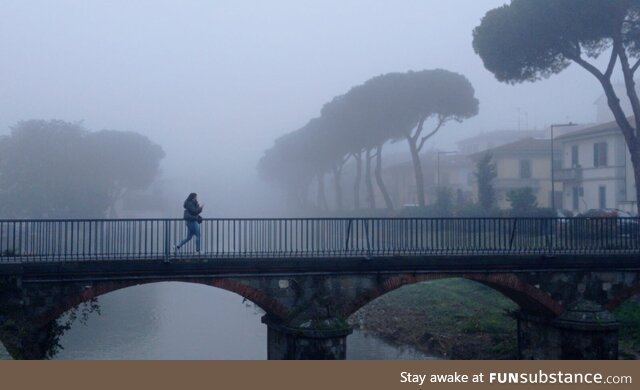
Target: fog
pixel 214 83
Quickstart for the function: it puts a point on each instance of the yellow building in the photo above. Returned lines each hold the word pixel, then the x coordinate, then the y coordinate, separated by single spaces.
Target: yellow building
pixel 523 163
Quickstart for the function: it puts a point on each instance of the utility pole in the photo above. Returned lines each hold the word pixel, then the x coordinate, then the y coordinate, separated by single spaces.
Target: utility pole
pixel 553 188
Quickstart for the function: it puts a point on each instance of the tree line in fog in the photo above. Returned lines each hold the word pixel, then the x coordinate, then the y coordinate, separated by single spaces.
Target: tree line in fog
pixel 396 106
pixel 355 126
pixel 58 169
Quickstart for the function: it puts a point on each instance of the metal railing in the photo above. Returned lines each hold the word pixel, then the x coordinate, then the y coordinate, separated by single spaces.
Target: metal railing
pixel 130 239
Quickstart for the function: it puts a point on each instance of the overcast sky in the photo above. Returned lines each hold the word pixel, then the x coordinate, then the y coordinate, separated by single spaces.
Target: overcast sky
pixel 215 82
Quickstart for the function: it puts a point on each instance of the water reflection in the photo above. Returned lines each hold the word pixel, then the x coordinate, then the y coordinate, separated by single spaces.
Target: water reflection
pixel 362 345
pixel 189 321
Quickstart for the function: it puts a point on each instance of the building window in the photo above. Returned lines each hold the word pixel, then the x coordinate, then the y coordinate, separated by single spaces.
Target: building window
pixel 602 197
pixel 575 198
pixel 600 154
pixel 574 156
pixel 525 169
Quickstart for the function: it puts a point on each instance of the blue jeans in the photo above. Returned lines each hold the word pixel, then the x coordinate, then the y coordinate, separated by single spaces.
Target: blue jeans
pixel 194 230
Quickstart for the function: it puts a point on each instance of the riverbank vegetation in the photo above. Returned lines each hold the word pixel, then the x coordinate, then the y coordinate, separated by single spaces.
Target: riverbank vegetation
pixel 628 314
pixel 451 318
pixel 461 319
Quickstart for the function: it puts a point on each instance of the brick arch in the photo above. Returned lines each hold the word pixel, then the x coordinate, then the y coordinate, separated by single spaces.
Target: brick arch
pixel 623 296
pixel 530 299
pixel 260 298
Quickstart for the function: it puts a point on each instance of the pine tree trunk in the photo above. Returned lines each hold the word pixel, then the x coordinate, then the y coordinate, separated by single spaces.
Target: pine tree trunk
pixel 635 162
pixel 371 201
pixel 356 185
pixel 630 134
pixel 417 168
pixel 337 174
pixel 378 173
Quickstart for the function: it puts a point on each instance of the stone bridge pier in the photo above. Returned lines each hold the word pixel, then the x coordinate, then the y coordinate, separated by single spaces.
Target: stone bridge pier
pixel 583 326
pixel 563 314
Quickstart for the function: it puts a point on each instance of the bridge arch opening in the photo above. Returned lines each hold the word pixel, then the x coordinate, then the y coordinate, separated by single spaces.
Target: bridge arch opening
pixel 453 317
pixel 174 320
pixel 168 320
pixel 531 299
pixel 36 331
pixel 95 290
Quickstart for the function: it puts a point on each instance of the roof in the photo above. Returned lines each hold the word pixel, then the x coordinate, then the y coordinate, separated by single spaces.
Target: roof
pixel 502 134
pixel 429 158
pixel 599 129
pixel 527 146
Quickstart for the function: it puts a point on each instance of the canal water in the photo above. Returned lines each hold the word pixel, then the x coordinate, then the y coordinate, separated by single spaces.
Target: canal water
pixel 189 321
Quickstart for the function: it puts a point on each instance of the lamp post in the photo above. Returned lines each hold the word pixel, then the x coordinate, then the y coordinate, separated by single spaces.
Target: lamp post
pixel 553 188
pixel 438 166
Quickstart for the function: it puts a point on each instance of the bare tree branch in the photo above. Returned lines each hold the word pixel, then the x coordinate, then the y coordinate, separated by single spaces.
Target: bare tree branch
pixel 588 66
pixel 612 63
pixel 635 66
pixel 441 121
pixel 419 128
pixel 630 85
pixel 612 99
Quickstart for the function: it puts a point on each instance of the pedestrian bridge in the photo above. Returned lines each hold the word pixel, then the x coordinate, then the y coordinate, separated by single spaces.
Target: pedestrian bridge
pixel 309 275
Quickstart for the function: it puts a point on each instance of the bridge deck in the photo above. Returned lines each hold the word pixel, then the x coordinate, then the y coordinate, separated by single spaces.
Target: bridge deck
pixel 186 267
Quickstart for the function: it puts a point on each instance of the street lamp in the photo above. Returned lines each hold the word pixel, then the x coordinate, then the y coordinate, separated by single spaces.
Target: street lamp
pixel 553 188
pixel 438 166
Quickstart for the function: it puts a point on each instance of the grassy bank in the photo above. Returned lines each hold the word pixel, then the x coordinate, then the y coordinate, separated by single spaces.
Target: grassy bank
pixel 461 319
pixel 451 318
pixel 628 314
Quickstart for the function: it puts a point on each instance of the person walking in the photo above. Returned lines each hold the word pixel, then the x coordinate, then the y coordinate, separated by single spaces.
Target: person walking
pixel 192 216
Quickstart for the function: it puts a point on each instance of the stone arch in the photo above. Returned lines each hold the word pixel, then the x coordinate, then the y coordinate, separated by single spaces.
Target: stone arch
pixel 530 299
pixel 259 297
pixel 33 329
pixel 622 296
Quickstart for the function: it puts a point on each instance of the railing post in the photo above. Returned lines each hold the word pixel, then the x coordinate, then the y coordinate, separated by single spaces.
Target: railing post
pixel 167 239
pixel 513 233
pixel 346 245
pixel 550 225
pixel 366 230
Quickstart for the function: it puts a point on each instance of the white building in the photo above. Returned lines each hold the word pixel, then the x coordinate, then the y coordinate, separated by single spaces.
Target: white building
pixel 603 112
pixel 596 170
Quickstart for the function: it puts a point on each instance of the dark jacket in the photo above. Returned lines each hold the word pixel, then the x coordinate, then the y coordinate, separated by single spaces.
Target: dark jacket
pixel 192 210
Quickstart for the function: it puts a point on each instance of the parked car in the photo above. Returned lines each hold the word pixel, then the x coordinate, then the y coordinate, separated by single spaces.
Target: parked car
pixel 605 213
pixel 562 213
pixel 562 220
pixel 623 224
